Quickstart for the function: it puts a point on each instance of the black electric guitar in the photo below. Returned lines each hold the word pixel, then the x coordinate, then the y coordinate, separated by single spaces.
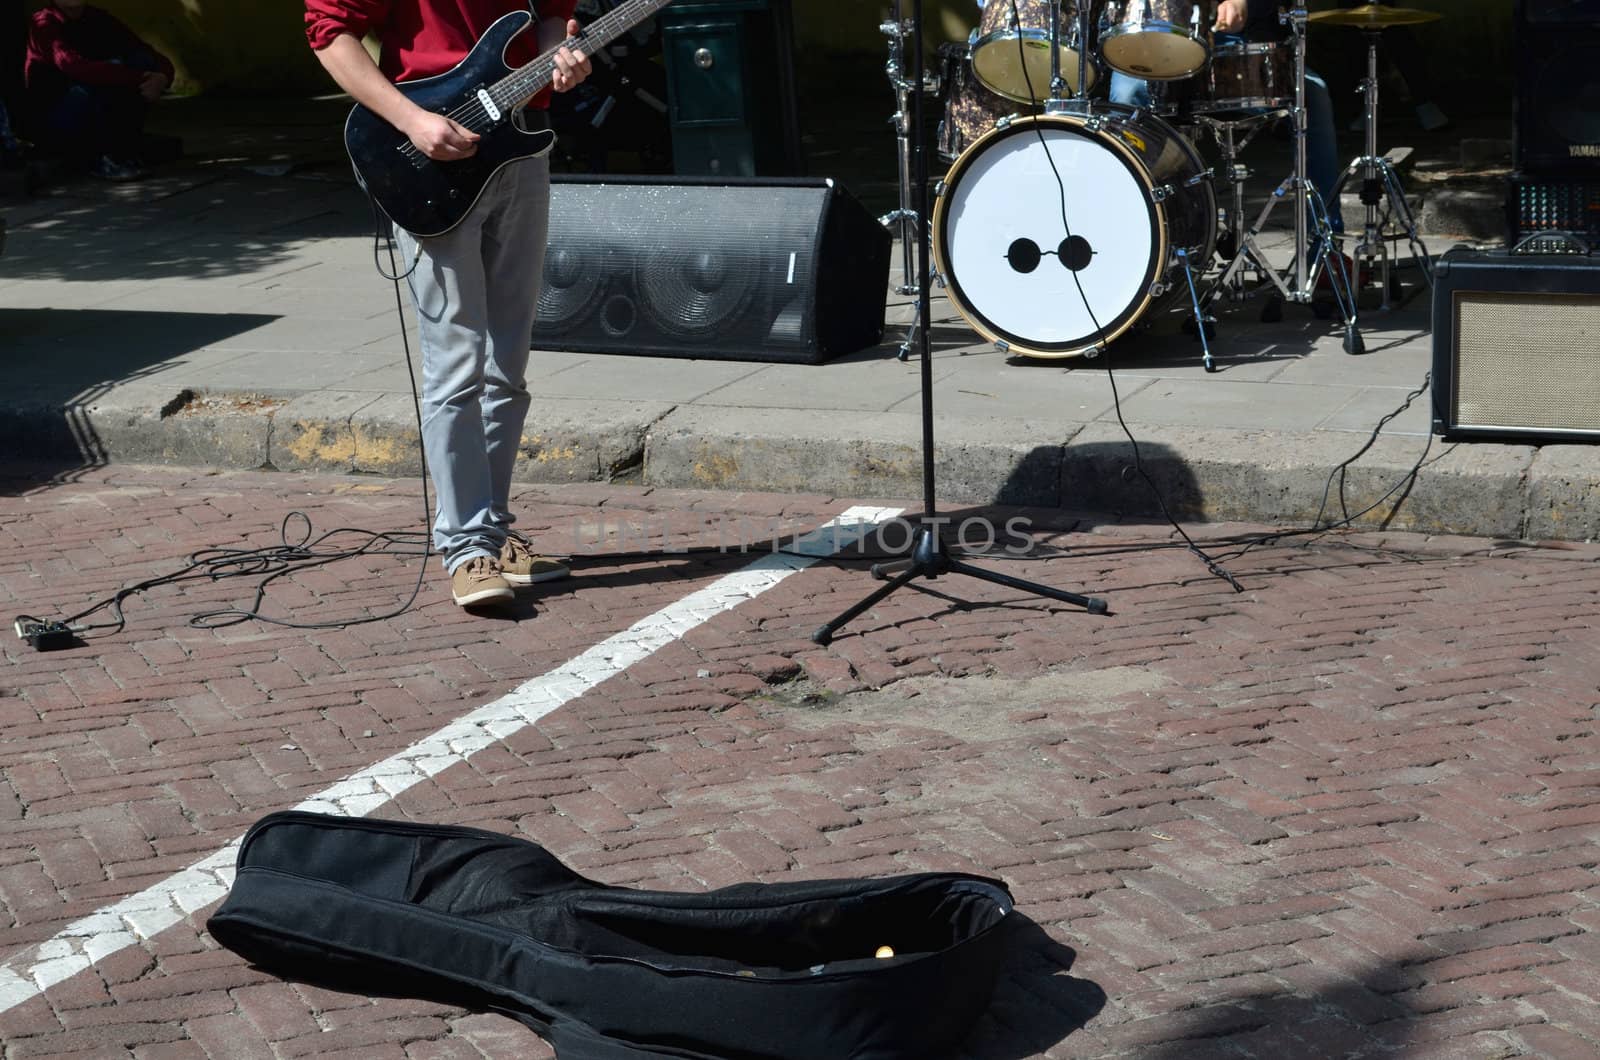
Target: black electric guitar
pixel 428 198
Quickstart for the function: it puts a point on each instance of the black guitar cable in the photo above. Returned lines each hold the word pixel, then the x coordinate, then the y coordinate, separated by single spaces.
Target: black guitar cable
pixel 1099 333
pixel 304 550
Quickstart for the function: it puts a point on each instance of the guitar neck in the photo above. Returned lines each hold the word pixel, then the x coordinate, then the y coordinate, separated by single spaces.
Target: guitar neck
pixel 535 77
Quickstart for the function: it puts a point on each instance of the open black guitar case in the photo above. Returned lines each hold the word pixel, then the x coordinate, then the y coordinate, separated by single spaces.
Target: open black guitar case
pixel 493 923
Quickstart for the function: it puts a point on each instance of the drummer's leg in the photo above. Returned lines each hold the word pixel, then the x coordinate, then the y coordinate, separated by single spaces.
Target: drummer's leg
pixel 1322 146
pixel 1132 91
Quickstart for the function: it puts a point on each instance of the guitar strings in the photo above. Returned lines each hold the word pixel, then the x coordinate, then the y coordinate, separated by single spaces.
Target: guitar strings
pixel 539 67
pixel 461 115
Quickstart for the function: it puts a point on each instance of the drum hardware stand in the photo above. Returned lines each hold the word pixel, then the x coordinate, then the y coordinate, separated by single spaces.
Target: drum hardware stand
pixel 1302 286
pixel 928 556
pixel 1225 131
pixel 1202 323
pixel 1378 181
pixel 1058 84
pixel 906 218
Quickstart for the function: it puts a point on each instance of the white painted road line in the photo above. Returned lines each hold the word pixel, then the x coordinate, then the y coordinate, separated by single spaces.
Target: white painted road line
pixel 140 916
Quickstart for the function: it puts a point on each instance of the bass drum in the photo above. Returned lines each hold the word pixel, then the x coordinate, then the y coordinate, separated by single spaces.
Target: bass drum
pixel 1133 193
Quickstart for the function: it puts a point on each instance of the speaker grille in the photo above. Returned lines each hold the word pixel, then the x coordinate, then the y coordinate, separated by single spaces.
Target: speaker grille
pixel 756 269
pixel 1556 106
pixel 697 291
pixel 572 277
pixel 1527 360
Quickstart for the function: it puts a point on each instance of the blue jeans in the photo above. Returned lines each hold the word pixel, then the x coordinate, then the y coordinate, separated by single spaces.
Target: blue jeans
pixel 91 120
pixel 475 289
pixel 101 119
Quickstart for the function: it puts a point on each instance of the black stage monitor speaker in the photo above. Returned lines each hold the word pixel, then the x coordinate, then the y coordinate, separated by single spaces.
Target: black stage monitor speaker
pixel 1516 346
pixel 731 269
pixel 1557 103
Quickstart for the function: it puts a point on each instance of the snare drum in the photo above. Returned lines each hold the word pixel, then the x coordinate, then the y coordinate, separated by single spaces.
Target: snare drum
pixel 1012 56
pixel 970 110
pixel 1157 40
pixel 1246 77
pixel 1134 193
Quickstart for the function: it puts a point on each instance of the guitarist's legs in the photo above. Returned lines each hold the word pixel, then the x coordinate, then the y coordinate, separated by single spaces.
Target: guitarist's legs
pixel 513 264
pixel 447 289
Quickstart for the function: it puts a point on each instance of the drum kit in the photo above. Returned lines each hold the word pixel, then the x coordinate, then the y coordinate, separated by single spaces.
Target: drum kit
pixel 1065 220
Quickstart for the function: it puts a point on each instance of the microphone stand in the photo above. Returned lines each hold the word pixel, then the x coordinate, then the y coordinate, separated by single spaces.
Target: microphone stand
pixel 928 557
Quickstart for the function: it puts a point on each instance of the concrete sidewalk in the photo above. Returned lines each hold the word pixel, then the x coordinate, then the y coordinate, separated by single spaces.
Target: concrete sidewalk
pixel 227 313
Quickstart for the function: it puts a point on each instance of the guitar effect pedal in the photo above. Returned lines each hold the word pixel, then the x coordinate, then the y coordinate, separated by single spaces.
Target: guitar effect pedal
pixel 44 636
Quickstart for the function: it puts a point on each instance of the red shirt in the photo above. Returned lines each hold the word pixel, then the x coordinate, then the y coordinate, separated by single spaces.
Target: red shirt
pixel 93 49
pixel 420 38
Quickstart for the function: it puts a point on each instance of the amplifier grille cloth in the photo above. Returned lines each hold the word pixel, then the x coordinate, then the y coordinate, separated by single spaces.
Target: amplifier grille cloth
pixel 1528 360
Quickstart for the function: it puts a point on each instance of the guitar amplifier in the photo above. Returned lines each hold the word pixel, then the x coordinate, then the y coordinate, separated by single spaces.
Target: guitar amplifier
pixel 1516 346
pixel 751 269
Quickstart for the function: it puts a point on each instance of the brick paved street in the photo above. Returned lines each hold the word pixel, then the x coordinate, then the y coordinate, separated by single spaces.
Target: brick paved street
pixel 1349 811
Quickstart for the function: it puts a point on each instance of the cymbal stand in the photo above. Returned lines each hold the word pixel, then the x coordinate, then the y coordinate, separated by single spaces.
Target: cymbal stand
pixel 1379 181
pixel 905 219
pixel 1310 212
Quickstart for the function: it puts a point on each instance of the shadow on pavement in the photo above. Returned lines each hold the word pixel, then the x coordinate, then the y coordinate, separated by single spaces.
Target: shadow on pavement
pixel 1036 1004
pixel 208 223
pixel 1351 1012
pixel 256 177
pixel 1123 478
pixel 110 348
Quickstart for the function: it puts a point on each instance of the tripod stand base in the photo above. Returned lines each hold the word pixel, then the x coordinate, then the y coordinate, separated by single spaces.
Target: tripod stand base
pixel 929 560
pixel 1353 342
pixel 1381 188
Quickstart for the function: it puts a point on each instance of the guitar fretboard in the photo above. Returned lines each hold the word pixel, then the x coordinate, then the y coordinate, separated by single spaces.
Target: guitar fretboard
pixel 527 80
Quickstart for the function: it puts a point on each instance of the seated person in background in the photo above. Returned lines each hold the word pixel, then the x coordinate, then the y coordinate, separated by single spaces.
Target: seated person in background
pixel 90 79
pixel 10 149
pixel 1257 20
pixel 13 45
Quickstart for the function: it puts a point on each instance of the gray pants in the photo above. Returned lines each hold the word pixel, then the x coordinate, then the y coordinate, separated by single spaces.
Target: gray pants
pixel 475 289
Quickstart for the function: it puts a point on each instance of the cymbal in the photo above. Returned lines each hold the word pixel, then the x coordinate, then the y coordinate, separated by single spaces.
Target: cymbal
pixel 1374 16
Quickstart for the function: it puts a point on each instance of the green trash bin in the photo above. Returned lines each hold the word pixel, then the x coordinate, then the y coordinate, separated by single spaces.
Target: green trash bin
pixel 730 88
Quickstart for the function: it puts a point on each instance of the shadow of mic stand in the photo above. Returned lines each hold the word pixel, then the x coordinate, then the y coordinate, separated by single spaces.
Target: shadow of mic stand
pixel 929 558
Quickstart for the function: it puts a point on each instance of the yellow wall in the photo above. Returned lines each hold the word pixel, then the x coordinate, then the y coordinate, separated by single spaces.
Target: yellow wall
pixel 1469 47
pixel 852 25
pixel 245 45
pixel 257 45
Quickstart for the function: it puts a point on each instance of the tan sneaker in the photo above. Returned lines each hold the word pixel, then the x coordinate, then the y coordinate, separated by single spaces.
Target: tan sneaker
pixel 479 581
pixel 520 565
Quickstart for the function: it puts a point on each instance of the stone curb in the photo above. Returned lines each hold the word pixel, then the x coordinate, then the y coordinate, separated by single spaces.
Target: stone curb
pixel 1481 489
